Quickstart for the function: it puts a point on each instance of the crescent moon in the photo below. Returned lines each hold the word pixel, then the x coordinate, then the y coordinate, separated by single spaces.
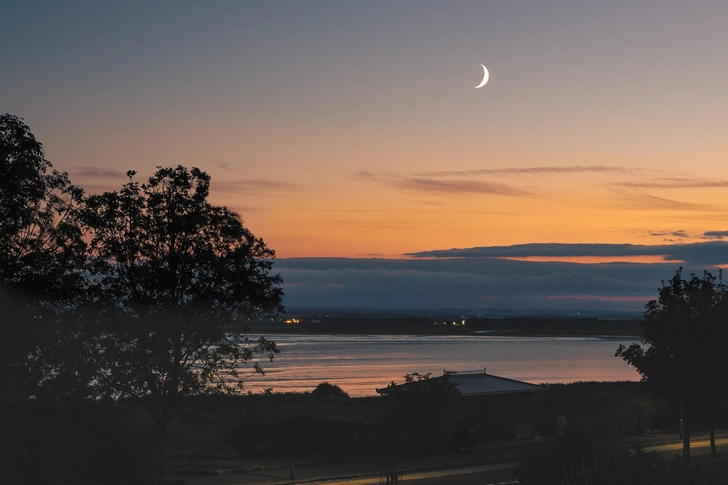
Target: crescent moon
pixel 485 78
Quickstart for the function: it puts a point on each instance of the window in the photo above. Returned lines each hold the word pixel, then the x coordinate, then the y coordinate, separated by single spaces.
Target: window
pixel 528 430
pixel 519 431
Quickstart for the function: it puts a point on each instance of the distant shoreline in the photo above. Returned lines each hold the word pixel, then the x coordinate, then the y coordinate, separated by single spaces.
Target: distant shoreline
pixel 485 327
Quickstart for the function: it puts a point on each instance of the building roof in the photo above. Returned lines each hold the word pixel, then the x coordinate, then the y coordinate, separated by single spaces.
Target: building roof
pixel 471 384
pixel 478 384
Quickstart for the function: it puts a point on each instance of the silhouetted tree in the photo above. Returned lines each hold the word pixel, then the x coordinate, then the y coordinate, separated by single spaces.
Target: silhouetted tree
pixel 42 360
pixel 174 281
pixel 408 414
pixel 681 343
pixel 40 251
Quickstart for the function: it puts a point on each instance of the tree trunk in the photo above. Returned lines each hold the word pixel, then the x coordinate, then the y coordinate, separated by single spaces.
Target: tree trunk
pixel 713 451
pixel 162 425
pixel 685 415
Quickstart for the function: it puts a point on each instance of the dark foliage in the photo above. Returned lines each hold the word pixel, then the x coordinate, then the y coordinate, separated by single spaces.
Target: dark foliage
pixel 330 390
pixel 80 442
pixel 618 408
pixel 293 435
pixel 142 293
pixel 413 418
pixel 173 280
pixel 684 341
pixel 40 252
pixel 584 457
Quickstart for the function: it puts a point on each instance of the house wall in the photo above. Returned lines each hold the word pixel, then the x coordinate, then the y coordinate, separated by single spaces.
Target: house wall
pixel 502 416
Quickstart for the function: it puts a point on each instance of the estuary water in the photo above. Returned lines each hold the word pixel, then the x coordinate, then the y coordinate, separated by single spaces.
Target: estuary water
pixel 361 363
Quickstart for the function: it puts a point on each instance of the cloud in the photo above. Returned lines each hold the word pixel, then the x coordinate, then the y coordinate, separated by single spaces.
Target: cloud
pixel 254 186
pixel 432 186
pixel 469 283
pixel 678 234
pixel 390 224
pixel 639 200
pixel 715 234
pixel 98 172
pixel 712 253
pixel 674 183
pixel 226 166
pixel 568 169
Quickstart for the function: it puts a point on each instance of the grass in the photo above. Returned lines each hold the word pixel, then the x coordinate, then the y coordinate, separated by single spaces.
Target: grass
pixel 718 464
pixel 216 466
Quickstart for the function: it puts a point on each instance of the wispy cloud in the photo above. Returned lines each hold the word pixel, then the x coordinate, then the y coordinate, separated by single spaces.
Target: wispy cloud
pixel 255 186
pixel 654 202
pixel 680 234
pixel 98 172
pixel 567 169
pixel 226 166
pixel 636 200
pixel 389 224
pixel 674 183
pixel 90 189
pixel 443 187
pixel 715 234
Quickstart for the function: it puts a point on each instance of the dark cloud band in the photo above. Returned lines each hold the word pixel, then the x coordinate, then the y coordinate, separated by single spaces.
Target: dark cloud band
pixel 712 253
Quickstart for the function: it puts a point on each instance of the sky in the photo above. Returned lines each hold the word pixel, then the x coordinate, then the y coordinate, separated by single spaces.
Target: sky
pixel 350 137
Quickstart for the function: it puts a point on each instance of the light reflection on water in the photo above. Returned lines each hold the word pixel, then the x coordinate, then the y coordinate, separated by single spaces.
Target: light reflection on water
pixel 361 363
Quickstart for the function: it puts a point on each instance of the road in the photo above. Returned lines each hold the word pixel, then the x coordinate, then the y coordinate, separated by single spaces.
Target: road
pixel 697 448
pixel 500 473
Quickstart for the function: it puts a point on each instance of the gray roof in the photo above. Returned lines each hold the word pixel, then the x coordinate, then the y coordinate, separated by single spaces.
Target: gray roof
pixel 472 384
pixel 481 384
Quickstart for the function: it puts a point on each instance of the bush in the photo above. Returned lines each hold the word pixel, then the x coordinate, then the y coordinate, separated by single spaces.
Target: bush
pixel 330 390
pixel 584 457
pixel 291 435
pixel 83 443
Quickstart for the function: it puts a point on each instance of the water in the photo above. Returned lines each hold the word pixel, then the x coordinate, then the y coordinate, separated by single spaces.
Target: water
pixel 361 363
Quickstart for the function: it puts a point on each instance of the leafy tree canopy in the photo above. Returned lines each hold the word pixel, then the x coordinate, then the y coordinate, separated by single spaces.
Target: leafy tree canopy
pixel 177 279
pixel 680 331
pixel 38 205
pixel 684 342
pixel 40 252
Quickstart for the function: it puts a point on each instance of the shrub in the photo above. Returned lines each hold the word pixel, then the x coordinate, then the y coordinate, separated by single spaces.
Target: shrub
pixel 329 390
pixel 291 435
pixel 584 457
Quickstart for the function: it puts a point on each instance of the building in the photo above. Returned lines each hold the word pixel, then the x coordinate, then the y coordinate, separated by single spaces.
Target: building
pixel 491 407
